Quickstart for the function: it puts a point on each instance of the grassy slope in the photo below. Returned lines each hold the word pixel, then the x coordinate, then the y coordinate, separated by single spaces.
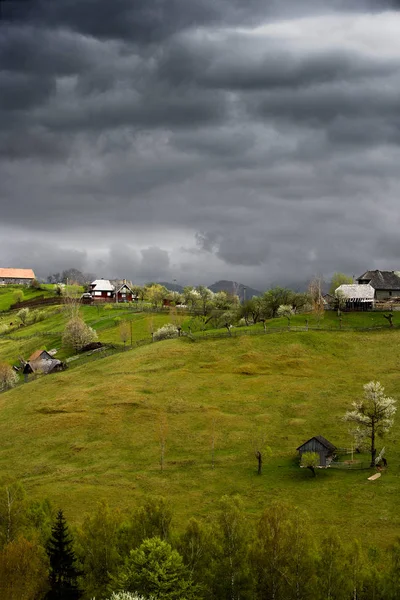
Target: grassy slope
pixel 92 432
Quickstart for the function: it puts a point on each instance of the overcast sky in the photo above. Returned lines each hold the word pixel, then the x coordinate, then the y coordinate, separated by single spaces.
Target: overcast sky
pixel 198 140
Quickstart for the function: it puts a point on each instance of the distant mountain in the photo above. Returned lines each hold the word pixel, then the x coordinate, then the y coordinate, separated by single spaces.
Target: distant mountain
pixel 172 287
pixel 243 291
pixel 220 286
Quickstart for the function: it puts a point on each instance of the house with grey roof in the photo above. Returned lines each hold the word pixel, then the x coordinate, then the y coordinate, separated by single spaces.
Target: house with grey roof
pixel 386 284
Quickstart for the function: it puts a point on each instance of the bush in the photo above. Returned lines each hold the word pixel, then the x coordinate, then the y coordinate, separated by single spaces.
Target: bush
pixel 23 315
pixel 18 296
pixel 35 284
pixel 8 377
pixel 37 315
pixel 166 332
pixel 124 596
pixel 77 334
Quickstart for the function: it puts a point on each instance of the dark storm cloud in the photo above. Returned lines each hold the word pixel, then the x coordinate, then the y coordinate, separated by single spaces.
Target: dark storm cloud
pixel 199 140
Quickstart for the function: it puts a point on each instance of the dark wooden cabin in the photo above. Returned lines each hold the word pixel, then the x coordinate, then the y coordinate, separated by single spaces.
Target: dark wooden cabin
pixel 321 446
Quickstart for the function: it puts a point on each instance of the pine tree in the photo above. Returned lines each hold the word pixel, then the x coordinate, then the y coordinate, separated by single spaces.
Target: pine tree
pixel 63 573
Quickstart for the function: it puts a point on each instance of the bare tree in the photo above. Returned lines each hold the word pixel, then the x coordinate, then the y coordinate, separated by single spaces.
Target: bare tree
pixel 124 332
pixel 317 303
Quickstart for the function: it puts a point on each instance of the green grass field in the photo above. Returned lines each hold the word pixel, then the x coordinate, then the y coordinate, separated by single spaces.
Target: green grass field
pixel 93 432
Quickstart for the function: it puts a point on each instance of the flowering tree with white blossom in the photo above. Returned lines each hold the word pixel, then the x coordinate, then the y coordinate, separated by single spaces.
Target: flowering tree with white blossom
pixel 374 413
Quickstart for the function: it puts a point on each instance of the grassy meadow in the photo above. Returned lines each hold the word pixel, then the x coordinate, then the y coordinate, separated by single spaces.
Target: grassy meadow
pixel 93 432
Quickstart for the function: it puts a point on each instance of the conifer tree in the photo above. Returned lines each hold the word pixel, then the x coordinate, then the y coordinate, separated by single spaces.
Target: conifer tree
pixel 63 572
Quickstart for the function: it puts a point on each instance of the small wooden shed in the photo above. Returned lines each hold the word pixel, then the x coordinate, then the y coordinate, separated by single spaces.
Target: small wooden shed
pixel 321 446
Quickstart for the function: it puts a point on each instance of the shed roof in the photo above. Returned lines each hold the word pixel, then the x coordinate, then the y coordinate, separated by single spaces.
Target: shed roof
pixel 17 273
pixel 362 292
pixel 382 280
pixel 44 365
pixel 102 285
pixel 321 440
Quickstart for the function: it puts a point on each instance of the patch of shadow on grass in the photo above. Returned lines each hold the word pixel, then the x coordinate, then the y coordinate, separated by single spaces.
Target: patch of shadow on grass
pixel 126 404
pixel 56 411
pixel 181 463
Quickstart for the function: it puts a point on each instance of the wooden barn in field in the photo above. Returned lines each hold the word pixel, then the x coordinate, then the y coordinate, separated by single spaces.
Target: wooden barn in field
pixel 321 446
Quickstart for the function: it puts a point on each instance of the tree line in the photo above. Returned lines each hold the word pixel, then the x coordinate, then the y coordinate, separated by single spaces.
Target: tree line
pixel 225 556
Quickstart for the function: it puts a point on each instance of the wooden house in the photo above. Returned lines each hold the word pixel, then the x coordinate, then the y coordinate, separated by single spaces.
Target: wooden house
pixel 321 446
pixel 386 284
pixel 102 289
pixel 16 276
pixel 124 293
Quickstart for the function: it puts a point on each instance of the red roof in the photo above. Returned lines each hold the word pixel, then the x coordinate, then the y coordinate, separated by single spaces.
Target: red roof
pixel 17 273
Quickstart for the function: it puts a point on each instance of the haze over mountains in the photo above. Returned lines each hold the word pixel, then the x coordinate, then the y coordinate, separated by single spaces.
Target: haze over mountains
pixel 231 287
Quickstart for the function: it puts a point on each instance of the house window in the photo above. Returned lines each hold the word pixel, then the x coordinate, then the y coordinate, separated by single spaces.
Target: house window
pixel 97 293
pixel 108 293
pixel 390 293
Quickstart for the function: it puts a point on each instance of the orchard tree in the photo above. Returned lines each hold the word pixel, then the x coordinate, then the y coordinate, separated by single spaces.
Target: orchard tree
pixel 285 310
pixel 8 377
pixel 310 460
pixel 374 413
pixel 274 298
pixel 77 334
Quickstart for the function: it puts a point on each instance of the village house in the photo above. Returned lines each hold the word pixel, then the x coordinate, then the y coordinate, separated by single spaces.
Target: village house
pixel 16 276
pixel 321 446
pixel 43 362
pixel 104 290
pixel 386 284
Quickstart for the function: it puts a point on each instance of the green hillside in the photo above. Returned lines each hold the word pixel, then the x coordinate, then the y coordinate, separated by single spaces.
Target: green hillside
pixel 93 432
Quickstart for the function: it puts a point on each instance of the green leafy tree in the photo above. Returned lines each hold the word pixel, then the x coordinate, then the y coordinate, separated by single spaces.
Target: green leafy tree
pixel 283 554
pixel 274 298
pixel 12 511
pixel 373 413
pixel 152 519
pixel 334 580
pixel 155 294
pixel 155 570
pixel 233 579
pixel 63 576
pixel 206 299
pixel 310 460
pixel 98 549
pixel 198 548
pixel 337 280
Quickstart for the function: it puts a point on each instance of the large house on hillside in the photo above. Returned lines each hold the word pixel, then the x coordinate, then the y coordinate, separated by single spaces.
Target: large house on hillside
pixel 357 296
pixel 104 291
pixel 386 284
pixel 16 276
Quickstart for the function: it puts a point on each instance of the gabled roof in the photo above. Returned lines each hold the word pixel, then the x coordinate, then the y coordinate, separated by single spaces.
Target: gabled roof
pixel 17 273
pixel 44 365
pixel 37 354
pixel 382 280
pixel 124 285
pixel 362 292
pixel 102 285
pixel 321 440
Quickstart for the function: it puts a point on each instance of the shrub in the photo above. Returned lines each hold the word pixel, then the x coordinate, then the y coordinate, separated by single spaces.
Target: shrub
pixel 8 377
pixel 77 334
pixel 166 332
pixel 23 315
pixel 18 296
pixel 35 284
